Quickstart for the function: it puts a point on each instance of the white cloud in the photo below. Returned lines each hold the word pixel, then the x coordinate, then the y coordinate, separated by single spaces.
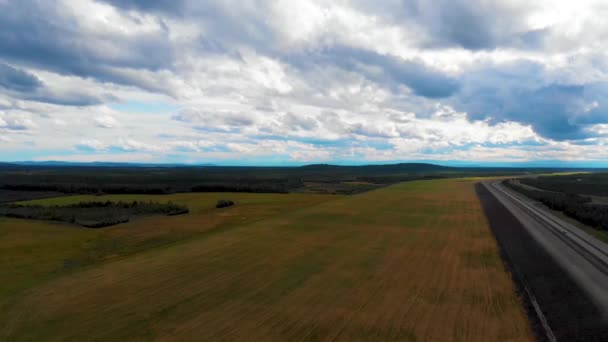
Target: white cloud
pixel 16 121
pixel 92 144
pixel 106 121
pixel 310 80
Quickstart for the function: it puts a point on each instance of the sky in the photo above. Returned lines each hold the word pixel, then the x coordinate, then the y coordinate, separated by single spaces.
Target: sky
pixel 282 82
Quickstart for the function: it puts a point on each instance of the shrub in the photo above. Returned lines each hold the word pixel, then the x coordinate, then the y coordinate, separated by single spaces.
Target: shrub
pixel 224 203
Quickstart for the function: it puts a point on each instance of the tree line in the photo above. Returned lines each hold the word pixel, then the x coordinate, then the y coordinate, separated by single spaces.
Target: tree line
pixel 576 206
pixel 93 214
pixel 158 189
pixel 595 184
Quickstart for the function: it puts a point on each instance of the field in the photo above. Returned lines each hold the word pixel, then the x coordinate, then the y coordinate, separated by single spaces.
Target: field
pixel 414 261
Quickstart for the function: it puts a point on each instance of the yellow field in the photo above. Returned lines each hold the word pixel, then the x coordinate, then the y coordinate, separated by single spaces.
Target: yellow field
pixel 414 262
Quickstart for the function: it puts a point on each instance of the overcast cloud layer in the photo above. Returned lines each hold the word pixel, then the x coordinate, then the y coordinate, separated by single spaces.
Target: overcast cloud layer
pixel 294 82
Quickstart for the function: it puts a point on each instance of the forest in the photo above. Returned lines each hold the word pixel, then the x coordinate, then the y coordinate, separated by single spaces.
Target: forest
pixel 595 184
pixel 38 181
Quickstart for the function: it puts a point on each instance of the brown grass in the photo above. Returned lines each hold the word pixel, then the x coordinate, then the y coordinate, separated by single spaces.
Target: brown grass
pixel 413 262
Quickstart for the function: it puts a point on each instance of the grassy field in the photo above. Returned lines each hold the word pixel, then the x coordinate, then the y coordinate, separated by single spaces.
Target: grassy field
pixel 34 251
pixel 414 262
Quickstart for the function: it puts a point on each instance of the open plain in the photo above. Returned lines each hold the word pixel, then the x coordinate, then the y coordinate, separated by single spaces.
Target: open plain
pixel 414 261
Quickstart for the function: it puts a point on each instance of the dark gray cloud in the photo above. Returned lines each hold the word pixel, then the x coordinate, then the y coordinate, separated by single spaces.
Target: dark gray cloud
pixel 518 92
pixel 43 35
pixel 476 25
pixel 470 24
pixel 26 86
pixel 69 99
pixel 213 119
pixel 161 6
pixel 18 80
pixel 383 69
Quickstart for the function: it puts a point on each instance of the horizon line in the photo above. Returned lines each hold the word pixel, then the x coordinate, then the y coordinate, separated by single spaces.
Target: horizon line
pixel 552 164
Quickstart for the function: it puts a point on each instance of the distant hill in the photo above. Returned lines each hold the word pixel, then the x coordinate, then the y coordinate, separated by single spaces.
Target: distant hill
pixel 95 164
pixel 395 169
pixel 8 165
pixel 382 168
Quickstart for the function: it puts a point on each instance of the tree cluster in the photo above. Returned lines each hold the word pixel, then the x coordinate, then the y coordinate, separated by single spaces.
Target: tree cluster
pixel 224 203
pixel 94 214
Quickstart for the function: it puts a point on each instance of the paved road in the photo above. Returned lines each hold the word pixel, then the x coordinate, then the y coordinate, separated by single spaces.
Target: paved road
pixel 584 257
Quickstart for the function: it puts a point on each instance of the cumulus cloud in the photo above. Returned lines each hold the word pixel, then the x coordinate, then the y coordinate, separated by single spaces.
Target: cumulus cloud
pixel 525 92
pixel 314 80
pixel 85 39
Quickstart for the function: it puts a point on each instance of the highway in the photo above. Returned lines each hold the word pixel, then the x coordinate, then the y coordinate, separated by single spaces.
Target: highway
pixel 579 254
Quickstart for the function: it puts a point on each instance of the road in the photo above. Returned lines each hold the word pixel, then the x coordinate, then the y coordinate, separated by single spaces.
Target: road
pixel 579 254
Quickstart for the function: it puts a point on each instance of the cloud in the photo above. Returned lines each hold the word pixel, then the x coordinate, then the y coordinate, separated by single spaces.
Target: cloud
pixel 220 119
pixel 106 121
pixel 162 6
pixel 67 38
pixel 273 81
pixel 293 122
pixel 18 80
pixel 385 70
pixel 524 92
pixel 90 145
pixel 15 122
pixel 469 24
pixel 478 24
pixel 27 86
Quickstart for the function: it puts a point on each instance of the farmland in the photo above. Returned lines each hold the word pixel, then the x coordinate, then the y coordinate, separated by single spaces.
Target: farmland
pixel 36 250
pixel 386 264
